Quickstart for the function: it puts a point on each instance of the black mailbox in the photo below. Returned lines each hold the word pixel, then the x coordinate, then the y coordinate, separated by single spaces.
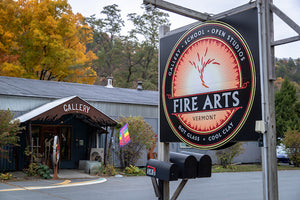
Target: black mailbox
pixel 204 164
pixel 187 165
pixel 162 170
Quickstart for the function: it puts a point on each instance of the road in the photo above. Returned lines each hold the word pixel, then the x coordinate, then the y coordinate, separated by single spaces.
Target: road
pixel 225 186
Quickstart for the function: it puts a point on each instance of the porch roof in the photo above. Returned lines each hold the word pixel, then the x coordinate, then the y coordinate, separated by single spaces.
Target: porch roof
pixel 70 105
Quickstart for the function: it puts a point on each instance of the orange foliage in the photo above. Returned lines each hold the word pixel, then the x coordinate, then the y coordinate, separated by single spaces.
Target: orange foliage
pixel 43 40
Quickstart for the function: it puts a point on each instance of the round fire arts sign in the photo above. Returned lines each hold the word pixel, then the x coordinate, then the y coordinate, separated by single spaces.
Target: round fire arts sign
pixel 208 85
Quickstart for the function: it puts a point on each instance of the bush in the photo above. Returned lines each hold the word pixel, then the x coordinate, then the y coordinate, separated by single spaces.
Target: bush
pixel 5 177
pixel 9 131
pixel 292 143
pixel 225 156
pixel 43 171
pixel 142 138
pixel 98 170
pixel 31 170
pixel 107 170
pixel 134 171
pixel 35 169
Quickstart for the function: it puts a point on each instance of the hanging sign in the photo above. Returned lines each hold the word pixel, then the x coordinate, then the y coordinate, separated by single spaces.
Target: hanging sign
pixel 208 85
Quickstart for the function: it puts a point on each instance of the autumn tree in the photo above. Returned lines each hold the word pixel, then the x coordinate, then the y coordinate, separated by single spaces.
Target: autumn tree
pixel 49 41
pixel 142 138
pixel 9 31
pixel 9 131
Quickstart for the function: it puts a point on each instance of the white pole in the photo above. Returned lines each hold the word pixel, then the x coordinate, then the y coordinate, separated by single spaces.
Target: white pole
pixel 163 147
pixel 263 104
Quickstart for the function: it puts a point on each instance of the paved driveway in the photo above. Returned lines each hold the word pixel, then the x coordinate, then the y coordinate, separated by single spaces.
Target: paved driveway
pixel 225 186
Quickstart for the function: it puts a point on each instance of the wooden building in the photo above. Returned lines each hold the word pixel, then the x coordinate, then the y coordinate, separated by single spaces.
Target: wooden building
pixel 83 116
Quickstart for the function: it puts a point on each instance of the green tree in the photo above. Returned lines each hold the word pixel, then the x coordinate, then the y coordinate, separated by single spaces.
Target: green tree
pixel 9 131
pixel 146 29
pixel 141 136
pixel 286 108
pixel 106 41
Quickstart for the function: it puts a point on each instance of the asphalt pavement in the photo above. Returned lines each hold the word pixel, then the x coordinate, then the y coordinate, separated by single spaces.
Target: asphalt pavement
pixel 225 186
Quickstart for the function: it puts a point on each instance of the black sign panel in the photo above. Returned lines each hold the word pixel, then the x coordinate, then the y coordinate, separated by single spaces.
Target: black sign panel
pixel 209 83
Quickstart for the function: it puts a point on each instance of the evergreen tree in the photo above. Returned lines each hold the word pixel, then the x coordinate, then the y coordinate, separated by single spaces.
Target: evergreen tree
pixel 286 107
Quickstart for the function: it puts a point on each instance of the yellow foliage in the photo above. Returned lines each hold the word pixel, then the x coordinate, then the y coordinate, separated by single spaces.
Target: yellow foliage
pixel 84 75
pixel 47 38
pixel 9 69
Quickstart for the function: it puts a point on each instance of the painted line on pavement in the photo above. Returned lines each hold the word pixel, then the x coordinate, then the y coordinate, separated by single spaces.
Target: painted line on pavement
pixel 63 184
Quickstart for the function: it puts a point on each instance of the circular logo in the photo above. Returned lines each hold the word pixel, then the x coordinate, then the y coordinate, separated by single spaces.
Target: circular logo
pixel 208 85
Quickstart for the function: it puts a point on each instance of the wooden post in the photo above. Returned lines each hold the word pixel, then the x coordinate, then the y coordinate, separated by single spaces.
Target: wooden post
pixel 163 147
pixel 269 161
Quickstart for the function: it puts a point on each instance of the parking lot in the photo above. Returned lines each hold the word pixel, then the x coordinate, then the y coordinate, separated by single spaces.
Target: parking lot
pixel 226 186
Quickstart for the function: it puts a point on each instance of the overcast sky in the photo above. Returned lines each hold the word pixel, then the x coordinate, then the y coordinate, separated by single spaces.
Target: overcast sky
pixel 289 7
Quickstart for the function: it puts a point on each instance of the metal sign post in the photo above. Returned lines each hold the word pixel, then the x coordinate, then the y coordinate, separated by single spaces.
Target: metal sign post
pixel 163 147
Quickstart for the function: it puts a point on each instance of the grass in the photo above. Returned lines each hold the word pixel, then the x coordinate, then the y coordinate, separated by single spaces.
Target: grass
pixel 248 168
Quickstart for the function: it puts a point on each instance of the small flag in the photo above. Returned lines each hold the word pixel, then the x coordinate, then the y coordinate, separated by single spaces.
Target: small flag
pixel 124 135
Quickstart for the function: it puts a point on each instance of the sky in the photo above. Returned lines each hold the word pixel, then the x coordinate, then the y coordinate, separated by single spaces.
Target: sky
pixel 281 30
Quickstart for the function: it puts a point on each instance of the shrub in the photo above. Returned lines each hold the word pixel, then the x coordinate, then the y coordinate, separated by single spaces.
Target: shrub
pixel 9 131
pixel 225 156
pixel 142 138
pixel 31 170
pixel 98 170
pixel 5 177
pixel 43 171
pixel 107 170
pixel 35 169
pixel 134 171
pixel 292 143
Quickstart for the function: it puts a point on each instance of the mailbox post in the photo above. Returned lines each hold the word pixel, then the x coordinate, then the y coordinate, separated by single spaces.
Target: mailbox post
pixel 186 165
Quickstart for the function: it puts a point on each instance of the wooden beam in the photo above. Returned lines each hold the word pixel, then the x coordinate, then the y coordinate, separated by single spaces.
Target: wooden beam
pixel 179 189
pixel 233 11
pixel 195 14
pixel 178 9
pixel 285 41
pixel 285 18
